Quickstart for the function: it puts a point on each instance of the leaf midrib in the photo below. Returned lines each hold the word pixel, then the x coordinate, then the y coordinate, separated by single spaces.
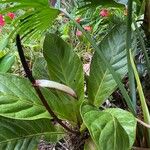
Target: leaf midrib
pixel 25 101
pixel 31 135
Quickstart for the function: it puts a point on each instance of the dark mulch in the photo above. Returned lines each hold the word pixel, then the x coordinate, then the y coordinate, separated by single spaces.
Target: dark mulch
pixel 70 142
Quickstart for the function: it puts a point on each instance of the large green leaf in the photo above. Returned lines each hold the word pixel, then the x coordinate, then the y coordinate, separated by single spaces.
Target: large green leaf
pixel 64 65
pixel 127 121
pixel 101 83
pixel 63 105
pixel 18 99
pixel 113 129
pixel 24 135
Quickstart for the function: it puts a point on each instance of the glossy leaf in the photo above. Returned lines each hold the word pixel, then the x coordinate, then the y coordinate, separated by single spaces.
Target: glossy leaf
pixel 6 62
pixel 63 105
pixel 18 99
pixel 24 135
pixel 101 83
pixel 127 121
pixel 113 129
pixel 64 66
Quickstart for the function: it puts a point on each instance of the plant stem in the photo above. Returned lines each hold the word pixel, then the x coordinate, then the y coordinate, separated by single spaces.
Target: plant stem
pixel 128 47
pixel 144 107
pixel 143 123
pixel 37 89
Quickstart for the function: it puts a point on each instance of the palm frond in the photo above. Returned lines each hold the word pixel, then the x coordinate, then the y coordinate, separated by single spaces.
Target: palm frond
pixel 36 19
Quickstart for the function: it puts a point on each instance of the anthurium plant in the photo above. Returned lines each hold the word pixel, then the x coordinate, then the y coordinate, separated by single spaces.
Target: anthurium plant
pixel 56 99
pixel 55 90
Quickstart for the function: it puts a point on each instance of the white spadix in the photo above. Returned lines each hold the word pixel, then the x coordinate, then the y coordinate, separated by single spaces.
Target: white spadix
pixel 55 85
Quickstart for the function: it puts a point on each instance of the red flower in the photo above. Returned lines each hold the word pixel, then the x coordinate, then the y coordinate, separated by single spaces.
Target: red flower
pixel 78 20
pixel 78 33
pixel 104 13
pixel 2 21
pixel 11 15
pixel 87 28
